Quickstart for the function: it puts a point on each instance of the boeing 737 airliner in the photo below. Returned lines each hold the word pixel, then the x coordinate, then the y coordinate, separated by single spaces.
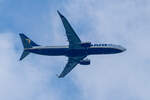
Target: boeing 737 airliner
pixel 76 51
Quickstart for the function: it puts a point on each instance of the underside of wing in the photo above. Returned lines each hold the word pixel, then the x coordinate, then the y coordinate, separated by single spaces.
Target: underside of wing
pixel 72 62
pixel 71 35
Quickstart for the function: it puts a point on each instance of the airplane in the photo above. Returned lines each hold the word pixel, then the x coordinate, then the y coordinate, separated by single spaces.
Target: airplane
pixel 76 51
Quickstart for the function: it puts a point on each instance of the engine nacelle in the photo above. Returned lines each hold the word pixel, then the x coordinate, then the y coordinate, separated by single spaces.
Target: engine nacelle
pixel 86 44
pixel 85 62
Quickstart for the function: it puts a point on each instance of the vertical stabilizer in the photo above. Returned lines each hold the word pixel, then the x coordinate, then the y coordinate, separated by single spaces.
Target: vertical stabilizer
pixel 27 43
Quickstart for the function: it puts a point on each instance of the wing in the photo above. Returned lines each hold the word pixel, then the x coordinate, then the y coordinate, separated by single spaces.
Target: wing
pixel 71 35
pixel 72 62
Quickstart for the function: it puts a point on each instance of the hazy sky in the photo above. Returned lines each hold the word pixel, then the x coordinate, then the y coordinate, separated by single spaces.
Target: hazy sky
pixel 122 76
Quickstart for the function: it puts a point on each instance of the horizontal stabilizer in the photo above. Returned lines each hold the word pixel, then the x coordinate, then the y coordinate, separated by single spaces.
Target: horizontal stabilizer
pixel 24 54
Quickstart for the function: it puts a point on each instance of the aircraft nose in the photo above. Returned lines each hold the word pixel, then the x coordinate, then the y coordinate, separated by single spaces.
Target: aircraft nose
pixel 123 49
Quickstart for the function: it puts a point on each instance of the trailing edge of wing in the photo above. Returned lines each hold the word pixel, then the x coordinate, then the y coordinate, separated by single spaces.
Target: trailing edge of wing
pixel 72 62
pixel 69 66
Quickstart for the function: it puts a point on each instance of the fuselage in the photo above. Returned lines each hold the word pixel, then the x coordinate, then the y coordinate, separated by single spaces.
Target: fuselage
pixel 76 51
pixel 66 51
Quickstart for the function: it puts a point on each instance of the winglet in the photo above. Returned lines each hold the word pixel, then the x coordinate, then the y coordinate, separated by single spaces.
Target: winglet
pixel 58 76
pixel 60 14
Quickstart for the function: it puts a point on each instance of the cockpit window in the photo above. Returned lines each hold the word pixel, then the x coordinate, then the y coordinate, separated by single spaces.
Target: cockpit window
pixel 109 44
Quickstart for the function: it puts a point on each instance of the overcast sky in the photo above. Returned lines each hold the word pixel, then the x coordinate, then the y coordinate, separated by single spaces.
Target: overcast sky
pixel 124 76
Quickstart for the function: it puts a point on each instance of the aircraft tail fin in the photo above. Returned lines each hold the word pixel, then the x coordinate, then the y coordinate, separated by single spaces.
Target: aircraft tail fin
pixel 27 43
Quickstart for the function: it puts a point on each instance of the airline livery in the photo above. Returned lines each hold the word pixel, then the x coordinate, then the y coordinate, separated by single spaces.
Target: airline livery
pixel 76 51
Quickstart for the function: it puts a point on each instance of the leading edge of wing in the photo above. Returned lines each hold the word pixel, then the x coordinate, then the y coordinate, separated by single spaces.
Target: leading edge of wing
pixel 70 33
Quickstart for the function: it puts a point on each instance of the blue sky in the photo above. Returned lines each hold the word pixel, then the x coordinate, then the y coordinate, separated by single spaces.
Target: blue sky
pixel 117 77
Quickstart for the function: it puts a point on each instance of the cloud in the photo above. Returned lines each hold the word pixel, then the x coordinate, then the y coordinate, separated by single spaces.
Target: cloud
pixel 123 76
pixel 21 80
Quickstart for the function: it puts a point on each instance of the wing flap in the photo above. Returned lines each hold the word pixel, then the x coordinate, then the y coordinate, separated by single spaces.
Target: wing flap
pixel 72 62
pixel 67 69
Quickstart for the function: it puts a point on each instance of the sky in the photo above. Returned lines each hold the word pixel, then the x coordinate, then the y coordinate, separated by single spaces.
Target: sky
pixel 123 76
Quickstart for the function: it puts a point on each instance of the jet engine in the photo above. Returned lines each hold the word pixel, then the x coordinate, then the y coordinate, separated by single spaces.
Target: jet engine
pixel 85 62
pixel 86 44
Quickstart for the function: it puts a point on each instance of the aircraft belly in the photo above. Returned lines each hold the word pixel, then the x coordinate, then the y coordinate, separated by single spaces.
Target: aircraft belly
pixel 76 52
pixel 51 52
pixel 103 51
